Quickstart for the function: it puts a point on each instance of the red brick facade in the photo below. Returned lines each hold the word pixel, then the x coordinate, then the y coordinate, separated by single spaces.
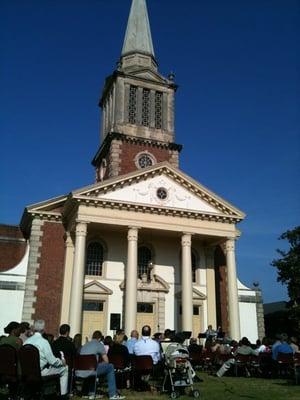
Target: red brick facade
pixel 12 248
pixel 221 289
pixel 130 150
pixel 51 274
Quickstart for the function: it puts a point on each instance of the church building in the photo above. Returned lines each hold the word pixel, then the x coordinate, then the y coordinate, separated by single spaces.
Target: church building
pixel 145 243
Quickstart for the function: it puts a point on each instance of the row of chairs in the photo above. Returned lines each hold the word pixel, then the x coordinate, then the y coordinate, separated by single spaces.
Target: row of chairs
pixel 287 365
pixel 20 370
pixel 139 366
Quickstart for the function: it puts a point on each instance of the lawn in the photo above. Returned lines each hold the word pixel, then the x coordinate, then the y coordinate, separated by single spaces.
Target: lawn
pixel 226 388
pixel 229 388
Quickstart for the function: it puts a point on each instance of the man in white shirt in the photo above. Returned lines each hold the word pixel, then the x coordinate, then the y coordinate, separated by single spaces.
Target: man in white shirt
pixel 49 364
pixel 146 346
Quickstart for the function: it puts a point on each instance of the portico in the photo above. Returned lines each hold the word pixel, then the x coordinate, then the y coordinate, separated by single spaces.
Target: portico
pixel 93 216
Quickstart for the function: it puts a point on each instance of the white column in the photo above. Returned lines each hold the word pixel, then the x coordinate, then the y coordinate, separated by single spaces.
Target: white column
pixel 186 283
pixel 211 287
pixel 68 271
pixel 131 281
pixel 75 316
pixel 233 300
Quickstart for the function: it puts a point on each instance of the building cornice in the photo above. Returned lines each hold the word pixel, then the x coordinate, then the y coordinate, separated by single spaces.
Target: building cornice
pixel 133 140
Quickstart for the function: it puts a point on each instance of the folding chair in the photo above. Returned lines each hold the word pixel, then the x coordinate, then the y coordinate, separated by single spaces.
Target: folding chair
pixel 242 363
pixel 285 364
pixel 86 363
pixel 121 367
pixel 142 366
pixel 34 385
pixel 9 368
pixel 297 367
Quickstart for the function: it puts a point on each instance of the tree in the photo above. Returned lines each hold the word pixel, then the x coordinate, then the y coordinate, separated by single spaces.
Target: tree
pixel 288 269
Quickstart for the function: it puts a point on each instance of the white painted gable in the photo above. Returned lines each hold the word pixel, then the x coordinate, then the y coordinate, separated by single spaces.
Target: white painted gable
pixel 145 192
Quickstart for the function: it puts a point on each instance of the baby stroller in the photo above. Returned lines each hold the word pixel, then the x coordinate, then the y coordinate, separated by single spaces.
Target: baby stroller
pixel 178 371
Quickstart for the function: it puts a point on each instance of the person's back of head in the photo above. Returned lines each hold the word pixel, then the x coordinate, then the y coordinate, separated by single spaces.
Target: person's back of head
pixel 64 330
pixel 13 328
pixel 167 334
pixel 284 337
pixel 134 334
pixel 193 340
pixel 119 338
pixel 77 340
pixel 39 325
pixel 97 335
pixel 245 341
pixel 146 330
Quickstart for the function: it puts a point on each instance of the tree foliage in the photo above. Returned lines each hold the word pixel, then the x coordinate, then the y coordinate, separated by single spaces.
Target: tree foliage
pixel 288 269
pixel 288 266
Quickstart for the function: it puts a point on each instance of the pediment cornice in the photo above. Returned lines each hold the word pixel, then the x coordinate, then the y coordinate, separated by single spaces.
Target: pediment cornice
pixel 91 195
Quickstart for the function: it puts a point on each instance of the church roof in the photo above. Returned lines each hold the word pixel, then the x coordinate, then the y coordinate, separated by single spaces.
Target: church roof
pixel 138 34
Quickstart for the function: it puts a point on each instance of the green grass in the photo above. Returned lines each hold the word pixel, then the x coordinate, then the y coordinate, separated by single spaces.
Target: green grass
pixel 231 388
pixel 227 388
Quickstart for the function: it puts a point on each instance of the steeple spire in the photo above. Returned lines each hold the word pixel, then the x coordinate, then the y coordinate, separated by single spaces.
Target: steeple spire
pixel 138 34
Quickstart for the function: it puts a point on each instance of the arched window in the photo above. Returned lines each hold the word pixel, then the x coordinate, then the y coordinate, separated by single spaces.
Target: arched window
pixel 94 259
pixel 144 257
pixel 194 266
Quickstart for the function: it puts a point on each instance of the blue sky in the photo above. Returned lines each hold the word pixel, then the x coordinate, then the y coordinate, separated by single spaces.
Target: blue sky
pixel 237 106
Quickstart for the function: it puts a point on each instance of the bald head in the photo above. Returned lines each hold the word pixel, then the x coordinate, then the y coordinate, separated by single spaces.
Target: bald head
pixel 134 334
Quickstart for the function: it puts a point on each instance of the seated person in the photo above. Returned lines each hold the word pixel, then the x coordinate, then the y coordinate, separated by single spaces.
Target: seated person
pixel 50 365
pixel 167 338
pixel 64 343
pixel 13 332
pixel 134 335
pixel 147 346
pixel 95 346
pixel 244 349
pixel 282 347
pixel 194 346
pixel 117 347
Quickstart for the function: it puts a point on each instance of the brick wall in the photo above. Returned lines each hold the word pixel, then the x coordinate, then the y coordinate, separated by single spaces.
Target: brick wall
pixel 12 246
pixel 221 289
pixel 50 276
pixel 130 150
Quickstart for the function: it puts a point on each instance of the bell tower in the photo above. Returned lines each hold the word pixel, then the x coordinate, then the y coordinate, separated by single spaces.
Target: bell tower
pixel 137 105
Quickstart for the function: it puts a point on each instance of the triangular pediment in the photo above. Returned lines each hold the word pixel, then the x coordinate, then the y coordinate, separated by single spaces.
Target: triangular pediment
pixel 197 295
pixel 161 187
pixel 95 287
pixel 148 74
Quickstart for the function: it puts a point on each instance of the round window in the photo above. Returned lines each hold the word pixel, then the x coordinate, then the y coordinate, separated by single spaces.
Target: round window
pixel 162 193
pixel 145 161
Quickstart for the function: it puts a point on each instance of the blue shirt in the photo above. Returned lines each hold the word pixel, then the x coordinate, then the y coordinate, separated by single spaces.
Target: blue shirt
pixel 281 348
pixel 130 344
pixel 147 347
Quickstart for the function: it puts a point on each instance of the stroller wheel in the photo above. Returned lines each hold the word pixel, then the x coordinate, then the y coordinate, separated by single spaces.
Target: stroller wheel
pixel 196 394
pixel 173 395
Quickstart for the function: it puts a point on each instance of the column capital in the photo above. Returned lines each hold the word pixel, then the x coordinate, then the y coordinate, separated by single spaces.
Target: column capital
pixel 68 239
pixel 186 239
pixel 81 228
pixel 230 244
pixel 132 233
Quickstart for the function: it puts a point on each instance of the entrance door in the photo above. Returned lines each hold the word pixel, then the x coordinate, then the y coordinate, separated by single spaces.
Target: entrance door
pixel 196 321
pixel 145 316
pixel 93 318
